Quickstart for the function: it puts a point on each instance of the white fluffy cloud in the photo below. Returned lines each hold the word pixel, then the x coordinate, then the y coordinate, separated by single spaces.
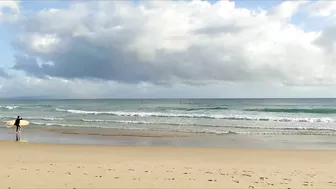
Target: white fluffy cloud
pixel 322 8
pixel 9 10
pixel 173 42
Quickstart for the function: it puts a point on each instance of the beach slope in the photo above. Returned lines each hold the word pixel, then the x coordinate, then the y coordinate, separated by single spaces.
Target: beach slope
pixel 28 165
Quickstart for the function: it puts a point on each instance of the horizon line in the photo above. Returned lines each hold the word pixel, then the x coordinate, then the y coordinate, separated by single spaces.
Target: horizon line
pixel 161 98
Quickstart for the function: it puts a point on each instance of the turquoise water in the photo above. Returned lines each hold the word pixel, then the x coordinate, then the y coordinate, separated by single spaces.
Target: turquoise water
pixel 217 116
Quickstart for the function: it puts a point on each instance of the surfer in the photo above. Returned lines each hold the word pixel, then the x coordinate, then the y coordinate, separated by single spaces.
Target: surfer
pixel 18 127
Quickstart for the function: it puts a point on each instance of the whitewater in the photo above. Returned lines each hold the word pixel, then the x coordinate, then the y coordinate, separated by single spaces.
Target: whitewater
pixel 214 116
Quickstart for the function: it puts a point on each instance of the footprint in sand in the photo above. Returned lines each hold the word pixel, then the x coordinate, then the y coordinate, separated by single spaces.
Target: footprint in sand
pixel 263 178
pixel 311 175
pixel 169 179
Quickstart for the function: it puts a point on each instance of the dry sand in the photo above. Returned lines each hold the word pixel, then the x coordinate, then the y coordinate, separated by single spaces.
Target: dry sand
pixel 28 165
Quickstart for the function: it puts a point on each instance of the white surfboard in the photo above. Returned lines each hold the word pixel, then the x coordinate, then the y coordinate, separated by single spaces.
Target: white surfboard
pixel 22 123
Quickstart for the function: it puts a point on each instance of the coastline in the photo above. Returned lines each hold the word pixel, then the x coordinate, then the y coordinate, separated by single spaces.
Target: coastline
pixel 105 158
pixel 117 137
pixel 97 166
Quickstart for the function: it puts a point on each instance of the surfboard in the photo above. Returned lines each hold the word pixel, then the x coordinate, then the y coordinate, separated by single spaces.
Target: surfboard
pixel 23 141
pixel 22 123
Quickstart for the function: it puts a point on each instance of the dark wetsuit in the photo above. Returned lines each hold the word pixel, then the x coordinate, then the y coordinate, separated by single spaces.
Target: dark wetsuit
pixel 18 128
pixel 17 123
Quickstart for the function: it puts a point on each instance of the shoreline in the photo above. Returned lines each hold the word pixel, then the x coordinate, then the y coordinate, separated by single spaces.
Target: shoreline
pixel 121 132
pixel 94 166
pixel 124 137
pixel 230 149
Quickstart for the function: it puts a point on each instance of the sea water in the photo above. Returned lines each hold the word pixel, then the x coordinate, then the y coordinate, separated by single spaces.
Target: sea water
pixel 214 116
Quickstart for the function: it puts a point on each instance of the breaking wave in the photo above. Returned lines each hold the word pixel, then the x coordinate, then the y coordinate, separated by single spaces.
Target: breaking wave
pixel 296 110
pixel 208 129
pixel 8 107
pixel 203 116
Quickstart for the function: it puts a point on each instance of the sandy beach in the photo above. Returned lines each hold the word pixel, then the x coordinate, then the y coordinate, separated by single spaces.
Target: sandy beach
pixel 33 165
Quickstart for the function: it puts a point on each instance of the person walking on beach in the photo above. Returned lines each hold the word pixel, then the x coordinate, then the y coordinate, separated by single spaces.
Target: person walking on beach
pixel 18 128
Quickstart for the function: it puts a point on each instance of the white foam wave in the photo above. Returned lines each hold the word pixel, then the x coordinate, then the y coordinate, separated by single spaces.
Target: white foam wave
pixel 193 127
pixel 203 116
pixel 134 122
pixel 215 125
pixel 145 129
pixel 41 118
pixel 278 131
pixel 55 124
pixel 9 107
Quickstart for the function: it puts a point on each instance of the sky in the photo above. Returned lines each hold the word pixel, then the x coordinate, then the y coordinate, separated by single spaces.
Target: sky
pixel 168 49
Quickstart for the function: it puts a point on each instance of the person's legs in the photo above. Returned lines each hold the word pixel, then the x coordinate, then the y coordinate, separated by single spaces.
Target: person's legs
pixel 17 133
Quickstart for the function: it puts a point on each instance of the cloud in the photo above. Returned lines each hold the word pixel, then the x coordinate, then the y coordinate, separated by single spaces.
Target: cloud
pixel 104 44
pixel 9 10
pixel 322 8
pixel 287 9
pixel 23 86
pixel 3 73
pixel 51 87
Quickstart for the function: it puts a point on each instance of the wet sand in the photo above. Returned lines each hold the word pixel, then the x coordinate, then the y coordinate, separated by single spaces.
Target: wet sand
pixel 96 136
pixel 28 165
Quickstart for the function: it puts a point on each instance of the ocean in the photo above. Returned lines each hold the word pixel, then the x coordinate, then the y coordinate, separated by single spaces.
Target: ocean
pixel 209 116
